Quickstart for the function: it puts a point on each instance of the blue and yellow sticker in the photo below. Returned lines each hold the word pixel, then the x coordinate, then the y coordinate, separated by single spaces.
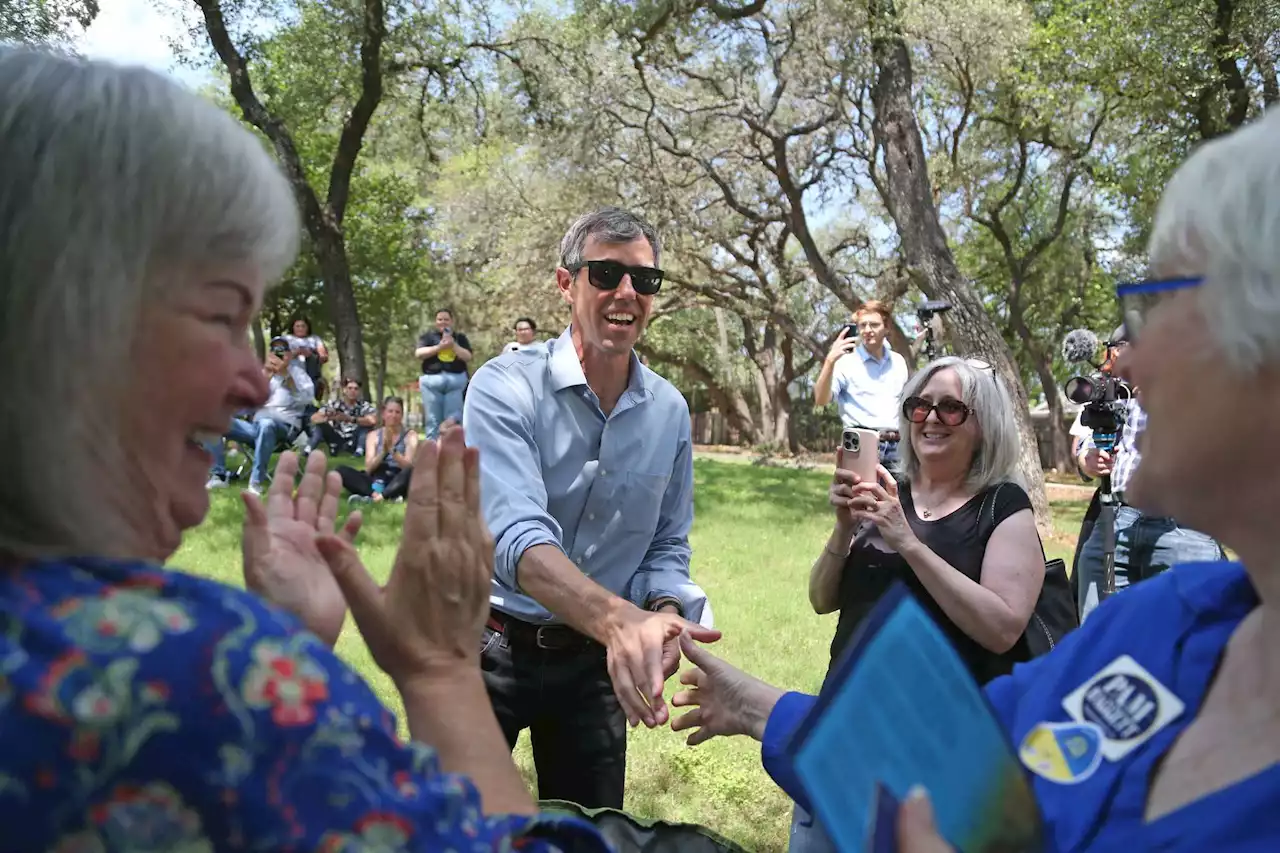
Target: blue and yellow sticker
pixel 1066 753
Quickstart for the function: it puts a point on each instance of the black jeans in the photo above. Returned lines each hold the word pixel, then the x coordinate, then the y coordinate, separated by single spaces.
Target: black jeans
pixel 359 482
pixel 565 698
pixel 322 435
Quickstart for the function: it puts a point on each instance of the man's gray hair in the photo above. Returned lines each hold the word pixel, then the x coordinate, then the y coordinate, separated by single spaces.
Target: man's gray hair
pixel 1219 216
pixel 115 182
pixel 996 459
pixel 607 225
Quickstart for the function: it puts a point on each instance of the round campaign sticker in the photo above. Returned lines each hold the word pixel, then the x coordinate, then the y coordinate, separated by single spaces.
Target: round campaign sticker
pixel 1123 706
pixel 1066 753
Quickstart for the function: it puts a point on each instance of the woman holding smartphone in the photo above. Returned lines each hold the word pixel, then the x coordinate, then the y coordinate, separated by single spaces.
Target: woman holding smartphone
pixel 978 580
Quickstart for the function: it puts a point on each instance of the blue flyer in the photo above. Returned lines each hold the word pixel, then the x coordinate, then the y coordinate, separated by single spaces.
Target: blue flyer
pixel 899 710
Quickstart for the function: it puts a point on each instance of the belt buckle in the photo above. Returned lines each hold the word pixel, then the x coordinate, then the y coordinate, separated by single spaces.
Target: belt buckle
pixel 542 643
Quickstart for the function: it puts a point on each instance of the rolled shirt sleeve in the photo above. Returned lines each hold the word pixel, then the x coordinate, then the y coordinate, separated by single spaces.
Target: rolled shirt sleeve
pixel 664 571
pixel 498 415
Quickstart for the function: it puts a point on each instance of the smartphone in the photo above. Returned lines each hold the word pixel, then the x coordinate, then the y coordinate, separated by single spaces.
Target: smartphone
pixel 850 332
pixel 861 452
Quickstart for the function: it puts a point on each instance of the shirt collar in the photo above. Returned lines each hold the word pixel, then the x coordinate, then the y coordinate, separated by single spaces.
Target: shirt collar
pixel 566 369
pixel 867 356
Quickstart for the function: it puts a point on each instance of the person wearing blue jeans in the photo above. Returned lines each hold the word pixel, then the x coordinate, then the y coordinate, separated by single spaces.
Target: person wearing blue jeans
pixel 289 391
pixel 445 355
pixel 264 435
pixel 441 400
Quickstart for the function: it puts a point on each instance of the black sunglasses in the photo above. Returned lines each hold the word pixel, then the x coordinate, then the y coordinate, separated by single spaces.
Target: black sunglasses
pixel 607 275
pixel 950 412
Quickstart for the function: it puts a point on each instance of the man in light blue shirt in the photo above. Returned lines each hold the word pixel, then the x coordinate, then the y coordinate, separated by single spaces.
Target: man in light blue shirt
pixel 587 486
pixel 866 377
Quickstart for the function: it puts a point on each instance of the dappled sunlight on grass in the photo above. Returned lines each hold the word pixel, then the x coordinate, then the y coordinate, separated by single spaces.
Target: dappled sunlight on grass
pixel 756 532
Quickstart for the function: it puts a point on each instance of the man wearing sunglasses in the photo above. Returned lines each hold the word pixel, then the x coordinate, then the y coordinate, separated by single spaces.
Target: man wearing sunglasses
pixel 866 378
pixel 1145 545
pixel 587 487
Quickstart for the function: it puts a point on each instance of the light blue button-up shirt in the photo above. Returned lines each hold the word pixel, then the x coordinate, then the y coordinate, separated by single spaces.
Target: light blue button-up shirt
pixel 867 389
pixel 614 493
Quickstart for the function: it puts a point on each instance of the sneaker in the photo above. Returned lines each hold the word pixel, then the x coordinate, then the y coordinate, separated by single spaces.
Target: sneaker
pixel 254 489
pixel 216 483
pixel 359 499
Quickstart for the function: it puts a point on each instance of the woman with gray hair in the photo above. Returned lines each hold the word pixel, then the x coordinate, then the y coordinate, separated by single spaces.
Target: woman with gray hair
pixel 958 530
pixel 1156 725
pixel 142 708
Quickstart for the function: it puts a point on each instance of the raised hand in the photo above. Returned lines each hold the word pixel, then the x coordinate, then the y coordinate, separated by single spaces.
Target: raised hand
pixel 725 700
pixel 843 345
pixel 428 618
pixel 282 562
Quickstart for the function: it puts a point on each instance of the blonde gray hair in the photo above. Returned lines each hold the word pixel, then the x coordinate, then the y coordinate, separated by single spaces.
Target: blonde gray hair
pixel 996 458
pixel 114 178
pixel 1220 216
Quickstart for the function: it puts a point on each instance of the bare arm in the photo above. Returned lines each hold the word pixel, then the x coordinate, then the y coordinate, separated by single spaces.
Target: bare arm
pixel 455 716
pixel 994 612
pixel 372 458
pixel 462 352
pixel 322 352
pixel 368 420
pixel 824 577
pixel 550 578
pixel 822 391
pixel 410 447
pixel 426 352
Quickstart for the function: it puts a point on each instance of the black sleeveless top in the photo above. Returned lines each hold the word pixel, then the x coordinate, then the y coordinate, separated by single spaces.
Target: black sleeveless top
pixel 872 568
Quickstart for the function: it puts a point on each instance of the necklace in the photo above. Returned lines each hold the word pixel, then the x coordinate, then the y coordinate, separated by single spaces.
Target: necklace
pixel 924 513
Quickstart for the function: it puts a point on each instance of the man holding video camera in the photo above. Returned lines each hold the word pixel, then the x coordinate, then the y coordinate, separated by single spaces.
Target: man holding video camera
pixel 866 377
pixel 1145 545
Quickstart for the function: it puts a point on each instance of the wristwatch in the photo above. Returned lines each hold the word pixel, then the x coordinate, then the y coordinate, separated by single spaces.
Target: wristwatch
pixel 663 601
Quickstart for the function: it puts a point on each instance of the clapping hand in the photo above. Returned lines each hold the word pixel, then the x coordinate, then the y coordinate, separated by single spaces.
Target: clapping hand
pixel 428 618
pixel 282 562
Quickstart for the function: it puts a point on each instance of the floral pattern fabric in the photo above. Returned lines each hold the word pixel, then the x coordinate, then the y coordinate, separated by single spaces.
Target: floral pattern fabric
pixel 147 710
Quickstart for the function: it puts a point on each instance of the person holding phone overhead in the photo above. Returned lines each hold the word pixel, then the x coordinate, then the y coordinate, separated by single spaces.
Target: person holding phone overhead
pixel 866 377
pixel 960 457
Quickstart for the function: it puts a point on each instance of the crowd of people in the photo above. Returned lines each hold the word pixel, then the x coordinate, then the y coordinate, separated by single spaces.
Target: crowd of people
pixel 543 576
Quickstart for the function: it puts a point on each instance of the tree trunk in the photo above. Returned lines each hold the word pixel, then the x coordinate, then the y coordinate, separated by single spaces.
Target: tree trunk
pixel 259 340
pixel 381 380
pixel 924 243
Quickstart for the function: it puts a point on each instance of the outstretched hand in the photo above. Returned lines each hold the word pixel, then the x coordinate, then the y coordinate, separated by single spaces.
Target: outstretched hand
pixel 428 618
pixel 282 562
pixel 642 655
pixel 725 700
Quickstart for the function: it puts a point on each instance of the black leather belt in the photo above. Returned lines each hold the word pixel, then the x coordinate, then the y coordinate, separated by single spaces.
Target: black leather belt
pixel 555 638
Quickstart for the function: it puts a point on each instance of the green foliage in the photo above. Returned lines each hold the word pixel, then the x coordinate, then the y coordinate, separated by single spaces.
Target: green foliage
pixel 44 21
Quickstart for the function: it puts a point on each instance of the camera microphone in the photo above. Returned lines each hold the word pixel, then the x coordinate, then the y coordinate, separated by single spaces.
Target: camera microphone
pixel 1079 345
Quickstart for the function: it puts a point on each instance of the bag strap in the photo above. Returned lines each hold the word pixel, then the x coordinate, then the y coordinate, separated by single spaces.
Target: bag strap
pixel 987 513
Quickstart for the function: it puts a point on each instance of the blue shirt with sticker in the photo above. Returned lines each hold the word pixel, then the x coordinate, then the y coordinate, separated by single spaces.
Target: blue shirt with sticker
pixel 1092 720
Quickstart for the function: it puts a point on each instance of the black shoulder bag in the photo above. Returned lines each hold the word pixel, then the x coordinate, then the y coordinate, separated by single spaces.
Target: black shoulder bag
pixel 1055 613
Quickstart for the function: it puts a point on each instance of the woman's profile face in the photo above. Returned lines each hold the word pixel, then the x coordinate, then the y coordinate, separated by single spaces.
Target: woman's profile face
pixel 193 370
pixel 934 441
pixel 392 414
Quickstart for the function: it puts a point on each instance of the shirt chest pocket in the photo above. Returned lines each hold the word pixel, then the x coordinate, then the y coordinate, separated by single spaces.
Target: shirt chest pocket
pixel 639 501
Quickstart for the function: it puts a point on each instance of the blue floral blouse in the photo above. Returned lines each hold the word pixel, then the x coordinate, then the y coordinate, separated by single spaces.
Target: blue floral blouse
pixel 148 710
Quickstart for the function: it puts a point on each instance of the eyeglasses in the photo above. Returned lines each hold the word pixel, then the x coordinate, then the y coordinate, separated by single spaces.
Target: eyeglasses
pixel 607 275
pixel 1137 298
pixel 950 412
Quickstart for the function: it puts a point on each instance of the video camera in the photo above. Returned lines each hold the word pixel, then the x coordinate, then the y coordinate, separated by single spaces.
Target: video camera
pixel 280 347
pixel 1102 394
pixel 926 310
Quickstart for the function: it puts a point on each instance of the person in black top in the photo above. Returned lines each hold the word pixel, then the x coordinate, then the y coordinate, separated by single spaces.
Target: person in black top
pixel 388 459
pixel 445 354
pixel 960 457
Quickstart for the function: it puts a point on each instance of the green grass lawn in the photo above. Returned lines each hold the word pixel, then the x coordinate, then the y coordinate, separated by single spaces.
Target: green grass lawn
pixel 757 532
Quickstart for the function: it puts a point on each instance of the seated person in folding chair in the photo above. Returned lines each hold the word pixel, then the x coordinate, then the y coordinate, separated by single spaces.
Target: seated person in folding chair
pixel 273 425
pixel 388 459
pixel 343 424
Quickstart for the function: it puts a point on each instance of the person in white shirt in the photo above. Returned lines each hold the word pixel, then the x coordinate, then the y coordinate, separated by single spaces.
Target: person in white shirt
pixel 525 329
pixel 865 377
pixel 276 421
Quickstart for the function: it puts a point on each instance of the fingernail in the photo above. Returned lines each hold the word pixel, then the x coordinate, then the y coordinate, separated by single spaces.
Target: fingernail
pixel 917 793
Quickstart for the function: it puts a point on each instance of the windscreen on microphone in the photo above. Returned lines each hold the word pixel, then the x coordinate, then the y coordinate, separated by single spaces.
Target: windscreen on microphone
pixel 1079 345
